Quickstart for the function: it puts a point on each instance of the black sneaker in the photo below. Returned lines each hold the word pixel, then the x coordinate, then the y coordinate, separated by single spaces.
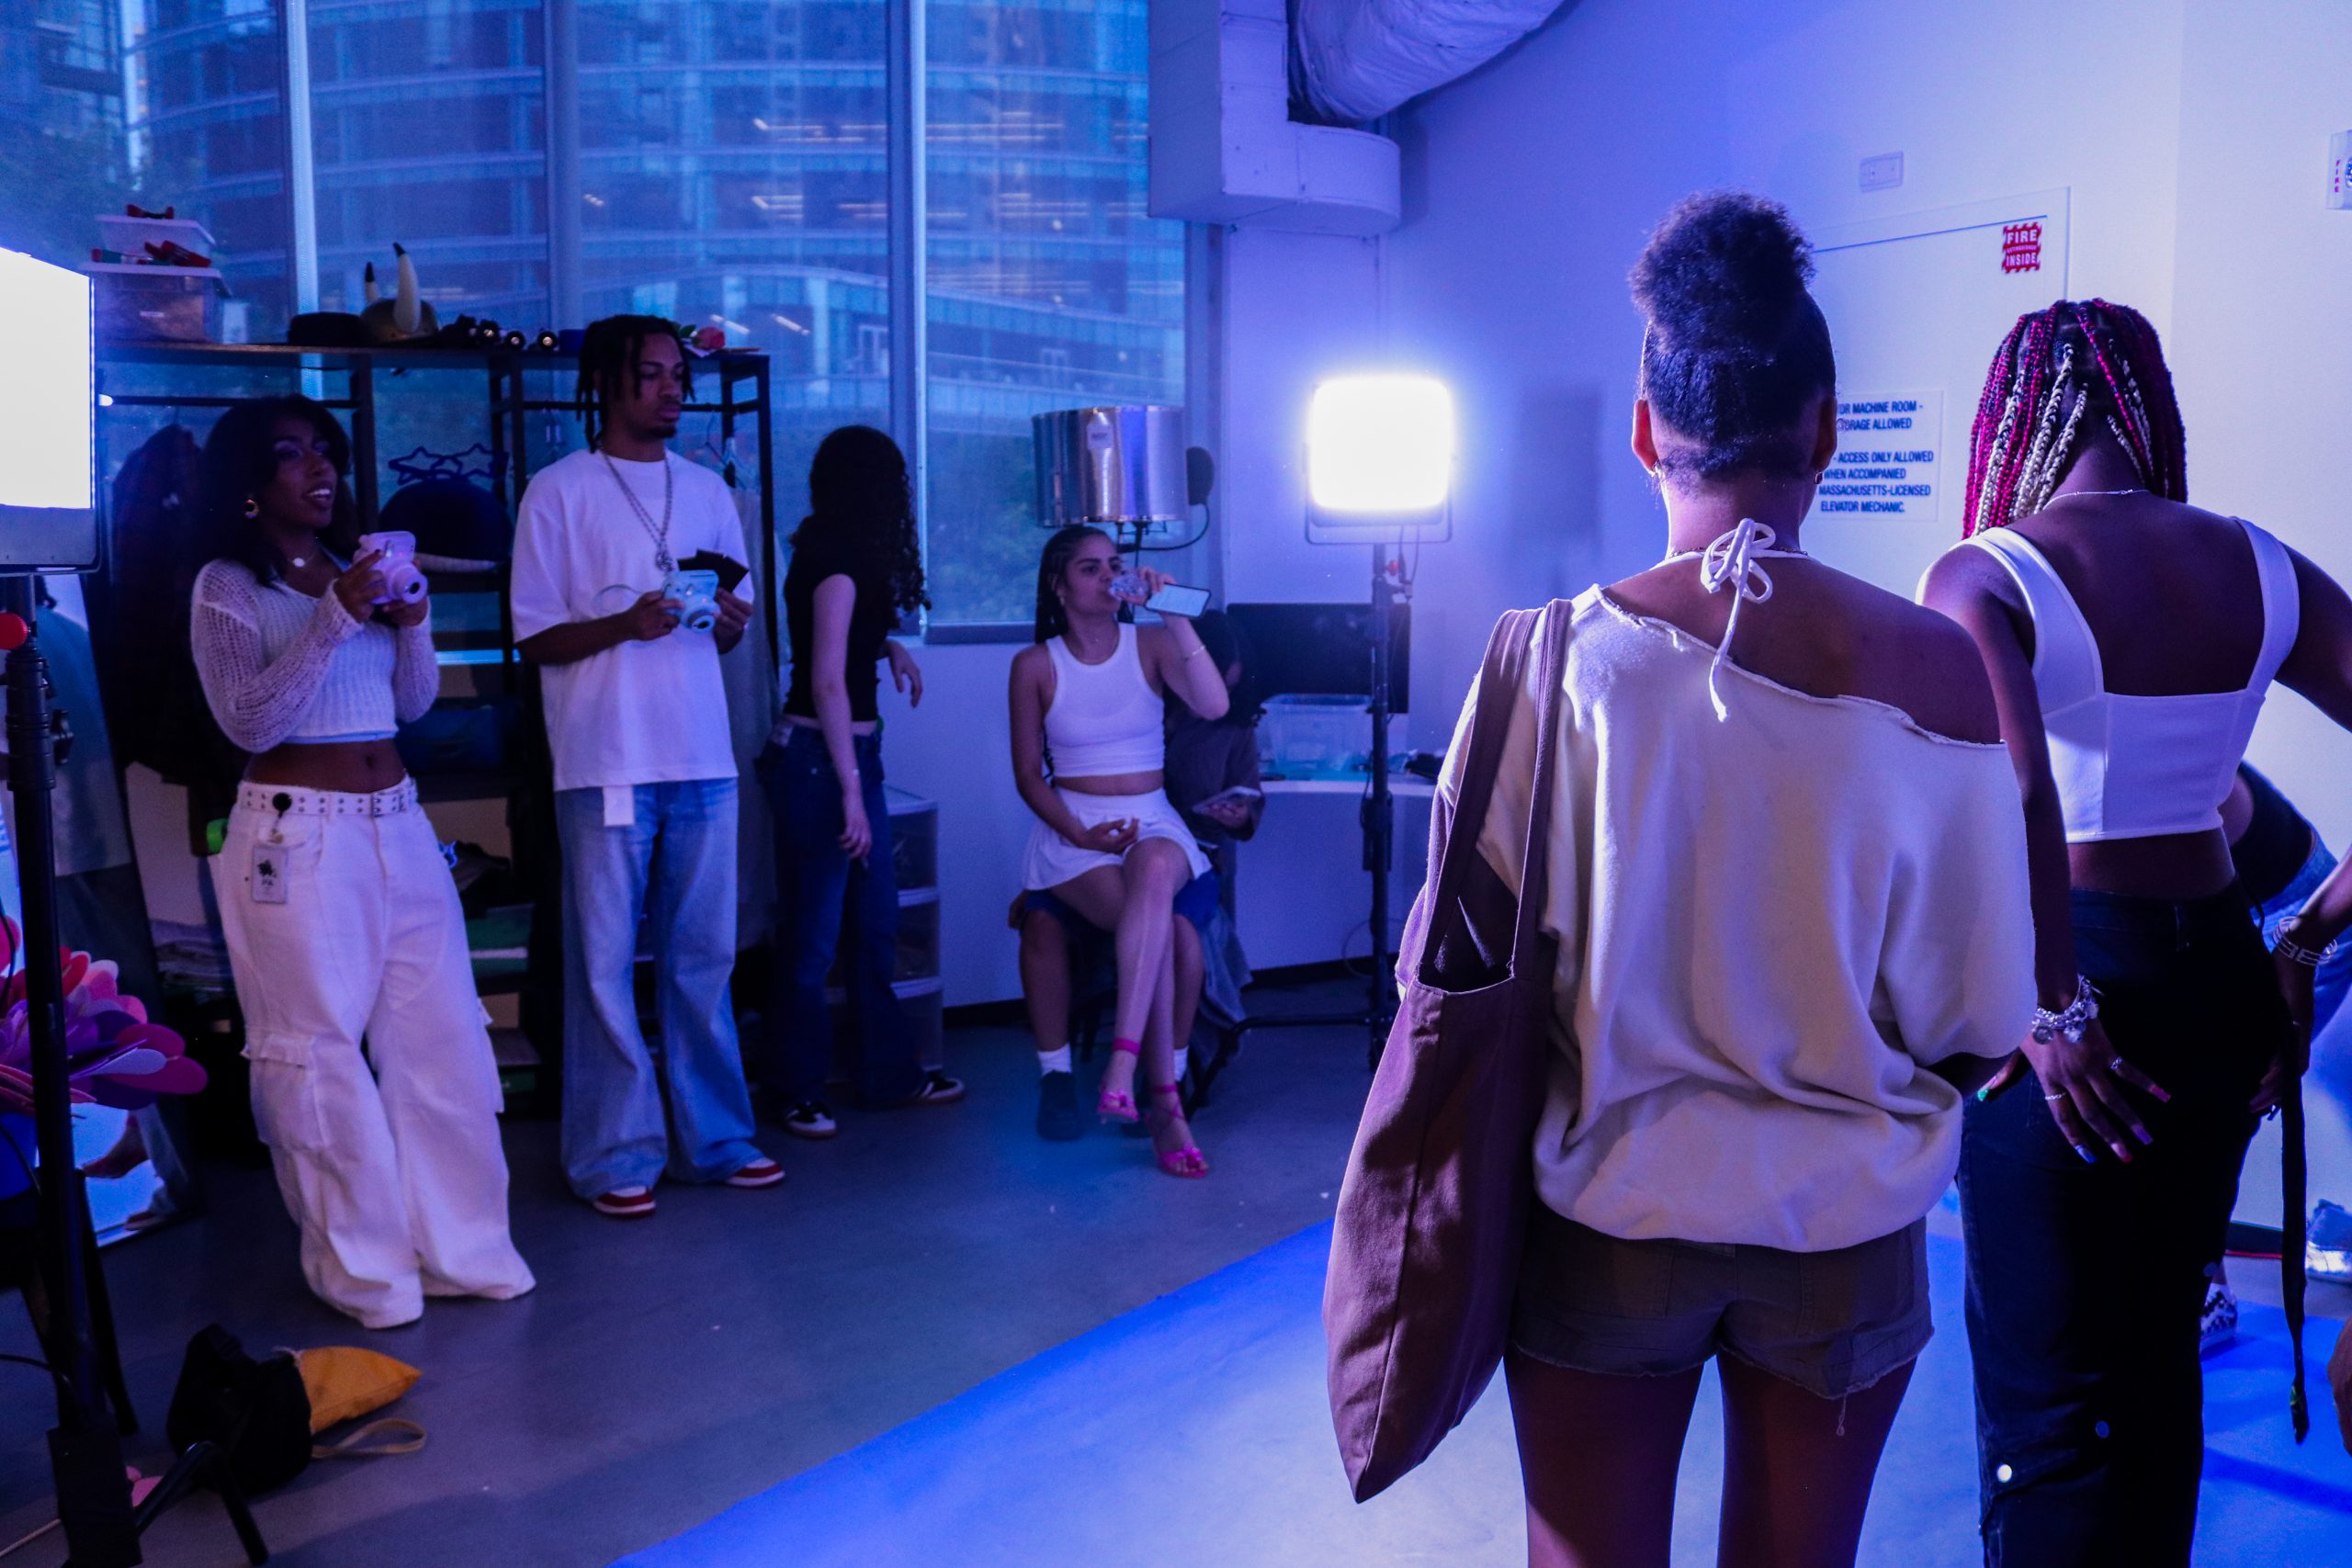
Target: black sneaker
pixel 1057 1116
pixel 809 1119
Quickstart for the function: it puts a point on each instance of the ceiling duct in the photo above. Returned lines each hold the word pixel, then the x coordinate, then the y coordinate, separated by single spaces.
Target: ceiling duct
pixel 1356 60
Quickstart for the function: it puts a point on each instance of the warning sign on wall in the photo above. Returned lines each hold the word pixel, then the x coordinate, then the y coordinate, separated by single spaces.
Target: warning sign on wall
pixel 1889 459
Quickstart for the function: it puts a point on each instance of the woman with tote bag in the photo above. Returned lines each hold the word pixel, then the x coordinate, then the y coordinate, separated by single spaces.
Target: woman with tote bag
pixel 1727 913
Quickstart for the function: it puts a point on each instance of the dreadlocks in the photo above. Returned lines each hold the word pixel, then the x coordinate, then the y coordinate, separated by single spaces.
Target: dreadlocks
pixel 609 351
pixel 2077 360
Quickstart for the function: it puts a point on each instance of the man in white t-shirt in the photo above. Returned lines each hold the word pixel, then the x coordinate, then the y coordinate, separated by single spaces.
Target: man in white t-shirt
pixel 636 720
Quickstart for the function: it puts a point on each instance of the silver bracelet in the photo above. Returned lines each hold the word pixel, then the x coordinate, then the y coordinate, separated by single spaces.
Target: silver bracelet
pixel 2286 947
pixel 2069 1023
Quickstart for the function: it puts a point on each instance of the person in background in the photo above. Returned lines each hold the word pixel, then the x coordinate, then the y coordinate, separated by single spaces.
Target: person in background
pixel 1213 771
pixel 1054 938
pixel 2281 862
pixel 2131 640
pixel 1205 759
pixel 645 779
pixel 1769 823
pixel 342 921
pixel 856 568
pixel 1107 843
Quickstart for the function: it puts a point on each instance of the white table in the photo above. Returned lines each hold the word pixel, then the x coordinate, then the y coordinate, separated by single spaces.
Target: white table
pixel 1302 895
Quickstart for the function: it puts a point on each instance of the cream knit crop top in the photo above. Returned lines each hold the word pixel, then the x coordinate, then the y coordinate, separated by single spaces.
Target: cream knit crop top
pixel 279 666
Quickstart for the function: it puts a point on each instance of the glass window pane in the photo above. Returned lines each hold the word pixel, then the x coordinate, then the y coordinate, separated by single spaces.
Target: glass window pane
pixel 1049 286
pixel 158 102
pixel 429 130
pixel 734 160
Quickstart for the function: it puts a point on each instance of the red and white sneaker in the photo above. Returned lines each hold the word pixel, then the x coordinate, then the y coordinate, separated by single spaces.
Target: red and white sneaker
pixel 759 1173
pixel 624 1203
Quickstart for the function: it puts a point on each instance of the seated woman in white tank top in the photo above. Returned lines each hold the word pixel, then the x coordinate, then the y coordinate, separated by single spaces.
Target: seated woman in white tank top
pixel 1087 718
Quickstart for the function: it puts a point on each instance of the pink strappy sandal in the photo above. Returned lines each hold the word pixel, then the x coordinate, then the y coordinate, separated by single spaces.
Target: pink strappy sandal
pixel 1117 1104
pixel 1187 1162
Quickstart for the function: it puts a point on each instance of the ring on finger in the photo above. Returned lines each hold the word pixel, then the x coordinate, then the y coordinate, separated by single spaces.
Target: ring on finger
pixel 2061 1094
pixel 2116 1066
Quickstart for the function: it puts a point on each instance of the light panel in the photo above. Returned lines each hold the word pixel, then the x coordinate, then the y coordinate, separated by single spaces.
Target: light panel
pixel 45 402
pixel 1380 446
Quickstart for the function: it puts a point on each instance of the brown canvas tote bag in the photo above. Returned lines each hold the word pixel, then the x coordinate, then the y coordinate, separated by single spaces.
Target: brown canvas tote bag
pixel 1433 1213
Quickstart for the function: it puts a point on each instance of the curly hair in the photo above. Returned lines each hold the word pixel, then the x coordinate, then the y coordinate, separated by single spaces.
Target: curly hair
pixel 1734 349
pixel 240 460
pixel 861 499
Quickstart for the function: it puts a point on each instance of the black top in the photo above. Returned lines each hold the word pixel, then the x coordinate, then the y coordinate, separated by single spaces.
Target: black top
pixel 2276 843
pixel 871 622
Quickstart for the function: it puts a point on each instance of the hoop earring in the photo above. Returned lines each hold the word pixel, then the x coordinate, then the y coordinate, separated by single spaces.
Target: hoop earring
pixel 252 509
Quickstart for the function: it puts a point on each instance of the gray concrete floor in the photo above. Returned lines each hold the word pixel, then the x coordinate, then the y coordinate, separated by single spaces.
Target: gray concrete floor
pixel 666 1369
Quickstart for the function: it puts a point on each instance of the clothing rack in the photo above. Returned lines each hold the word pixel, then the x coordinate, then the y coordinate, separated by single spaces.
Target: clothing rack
pixel 361 385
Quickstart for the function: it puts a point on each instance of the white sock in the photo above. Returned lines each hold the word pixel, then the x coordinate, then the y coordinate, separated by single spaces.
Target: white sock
pixel 1054 1061
pixel 1183 1053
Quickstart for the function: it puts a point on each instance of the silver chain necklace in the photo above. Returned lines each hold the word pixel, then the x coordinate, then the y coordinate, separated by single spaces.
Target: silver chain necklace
pixel 2135 490
pixel 661 535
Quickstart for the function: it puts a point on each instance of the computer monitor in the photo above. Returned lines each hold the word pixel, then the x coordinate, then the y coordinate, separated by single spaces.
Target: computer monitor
pixel 1323 650
pixel 48 419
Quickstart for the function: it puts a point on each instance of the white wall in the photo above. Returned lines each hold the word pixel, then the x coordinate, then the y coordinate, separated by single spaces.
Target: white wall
pixel 2262 323
pixel 1533 182
pixel 2192 134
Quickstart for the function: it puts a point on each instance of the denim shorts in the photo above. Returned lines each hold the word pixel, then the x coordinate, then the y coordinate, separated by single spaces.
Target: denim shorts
pixel 1831 1323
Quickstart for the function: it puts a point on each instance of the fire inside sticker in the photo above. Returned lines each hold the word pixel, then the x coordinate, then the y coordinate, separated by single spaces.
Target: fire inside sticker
pixel 1889 456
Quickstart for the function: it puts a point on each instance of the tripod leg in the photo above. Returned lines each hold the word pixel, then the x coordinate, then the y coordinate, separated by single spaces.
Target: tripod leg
pixel 102 1331
pixel 204 1463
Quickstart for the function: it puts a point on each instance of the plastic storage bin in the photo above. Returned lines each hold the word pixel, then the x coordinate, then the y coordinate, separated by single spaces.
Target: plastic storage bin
pixel 917 935
pixel 914 838
pixel 1315 734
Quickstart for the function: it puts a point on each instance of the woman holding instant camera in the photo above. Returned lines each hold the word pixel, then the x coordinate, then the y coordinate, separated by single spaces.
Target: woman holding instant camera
pixel 856 568
pixel 1090 697
pixel 342 923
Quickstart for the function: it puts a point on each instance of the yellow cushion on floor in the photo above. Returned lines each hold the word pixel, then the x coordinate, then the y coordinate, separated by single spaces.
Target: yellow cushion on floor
pixel 344 1381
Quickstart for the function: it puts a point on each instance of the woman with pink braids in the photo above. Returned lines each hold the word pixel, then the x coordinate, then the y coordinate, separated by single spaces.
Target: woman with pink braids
pixel 2131 638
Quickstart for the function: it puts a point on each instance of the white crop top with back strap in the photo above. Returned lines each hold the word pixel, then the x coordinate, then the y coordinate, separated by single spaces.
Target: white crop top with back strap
pixel 1104 718
pixel 2138 767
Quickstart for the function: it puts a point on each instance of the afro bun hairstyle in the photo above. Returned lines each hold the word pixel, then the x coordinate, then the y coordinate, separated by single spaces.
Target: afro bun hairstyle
pixel 1733 351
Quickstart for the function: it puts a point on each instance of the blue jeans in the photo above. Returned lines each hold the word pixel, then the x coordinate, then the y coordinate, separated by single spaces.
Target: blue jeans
pixel 2084 1279
pixel 819 891
pixel 675 861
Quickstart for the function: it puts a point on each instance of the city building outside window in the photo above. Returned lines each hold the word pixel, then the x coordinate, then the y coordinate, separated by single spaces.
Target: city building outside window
pixel 733 171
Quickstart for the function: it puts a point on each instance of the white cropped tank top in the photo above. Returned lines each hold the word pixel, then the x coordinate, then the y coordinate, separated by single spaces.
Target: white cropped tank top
pixel 1104 718
pixel 2138 767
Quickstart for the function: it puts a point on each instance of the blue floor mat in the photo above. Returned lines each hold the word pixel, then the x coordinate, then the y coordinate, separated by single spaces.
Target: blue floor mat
pixel 1194 1432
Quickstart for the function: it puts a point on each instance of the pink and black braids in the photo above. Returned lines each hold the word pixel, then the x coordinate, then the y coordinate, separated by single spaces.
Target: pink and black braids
pixel 2076 359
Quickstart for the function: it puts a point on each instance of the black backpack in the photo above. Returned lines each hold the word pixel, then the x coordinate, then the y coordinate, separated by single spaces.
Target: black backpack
pixel 258 1412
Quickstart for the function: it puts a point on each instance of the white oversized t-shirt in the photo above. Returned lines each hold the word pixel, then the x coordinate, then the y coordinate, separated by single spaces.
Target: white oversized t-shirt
pixel 1770 928
pixel 642 712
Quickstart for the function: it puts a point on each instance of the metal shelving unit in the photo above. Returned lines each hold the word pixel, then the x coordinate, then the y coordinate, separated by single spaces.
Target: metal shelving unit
pixel 359 384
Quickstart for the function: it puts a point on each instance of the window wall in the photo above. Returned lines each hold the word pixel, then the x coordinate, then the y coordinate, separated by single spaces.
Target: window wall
pixel 724 163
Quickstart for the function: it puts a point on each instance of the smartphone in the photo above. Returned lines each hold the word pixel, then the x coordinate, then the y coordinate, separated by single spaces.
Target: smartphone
pixel 1239 794
pixel 1178 600
pixel 730 571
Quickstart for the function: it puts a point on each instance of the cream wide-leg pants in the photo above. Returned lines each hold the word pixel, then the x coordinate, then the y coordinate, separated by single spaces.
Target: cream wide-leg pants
pixel 343 924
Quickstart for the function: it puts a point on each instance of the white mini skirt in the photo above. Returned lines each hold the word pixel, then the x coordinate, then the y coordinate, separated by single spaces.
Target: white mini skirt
pixel 1052 860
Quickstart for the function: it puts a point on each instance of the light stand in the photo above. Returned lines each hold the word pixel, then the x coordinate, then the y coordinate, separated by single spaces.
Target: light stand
pixel 85 1448
pixel 1376 816
pixel 94 1507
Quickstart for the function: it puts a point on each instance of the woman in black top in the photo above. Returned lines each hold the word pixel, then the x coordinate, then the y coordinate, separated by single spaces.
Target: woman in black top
pixel 856 568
